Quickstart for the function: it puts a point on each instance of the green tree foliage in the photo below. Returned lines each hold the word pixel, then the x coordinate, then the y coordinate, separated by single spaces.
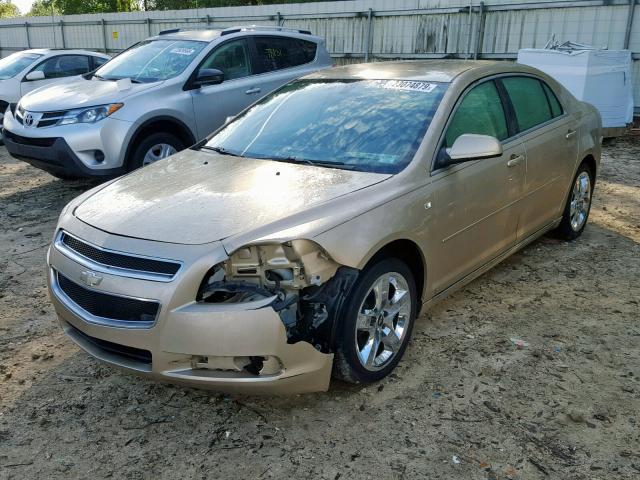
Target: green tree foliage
pixel 71 7
pixel 8 9
pixel 184 4
pixel 43 8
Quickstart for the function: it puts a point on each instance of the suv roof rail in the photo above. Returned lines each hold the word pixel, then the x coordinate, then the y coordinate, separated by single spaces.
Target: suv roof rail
pixel 171 30
pixel 266 28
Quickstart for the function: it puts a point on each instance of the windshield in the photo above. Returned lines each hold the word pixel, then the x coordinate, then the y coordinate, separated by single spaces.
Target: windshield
pixel 151 60
pixel 13 64
pixel 367 125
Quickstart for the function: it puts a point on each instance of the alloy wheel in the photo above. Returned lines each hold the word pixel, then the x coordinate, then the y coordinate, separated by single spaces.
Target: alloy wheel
pixel 580 201
pixel 158 152
pixel 383 321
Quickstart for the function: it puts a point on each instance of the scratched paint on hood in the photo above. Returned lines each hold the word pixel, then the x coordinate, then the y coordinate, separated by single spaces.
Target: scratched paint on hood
pixel 199 197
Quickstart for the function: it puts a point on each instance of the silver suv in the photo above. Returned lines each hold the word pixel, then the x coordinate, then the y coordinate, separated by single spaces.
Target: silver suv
pixel 156 98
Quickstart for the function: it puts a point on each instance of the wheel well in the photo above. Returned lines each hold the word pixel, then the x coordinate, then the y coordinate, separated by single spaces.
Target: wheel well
pixel 591 163
pixel 168 125
pixel 408 252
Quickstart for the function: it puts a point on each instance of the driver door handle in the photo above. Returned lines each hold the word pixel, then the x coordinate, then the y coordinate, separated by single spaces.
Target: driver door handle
pixel 515 160
pixel 570 134
pixel 253 90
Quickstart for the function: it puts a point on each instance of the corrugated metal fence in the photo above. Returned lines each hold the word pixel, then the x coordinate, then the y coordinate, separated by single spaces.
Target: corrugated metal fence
pixel 361 30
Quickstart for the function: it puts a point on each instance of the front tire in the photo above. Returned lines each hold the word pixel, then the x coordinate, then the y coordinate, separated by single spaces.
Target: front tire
pixel 578 206
pixel 152 148
pixel 376 323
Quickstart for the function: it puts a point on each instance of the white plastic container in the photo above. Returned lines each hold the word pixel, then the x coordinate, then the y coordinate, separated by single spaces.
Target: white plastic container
pixel 597 76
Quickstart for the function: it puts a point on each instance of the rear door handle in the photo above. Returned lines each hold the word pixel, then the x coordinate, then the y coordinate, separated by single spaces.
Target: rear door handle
pixel 515 160
pixel 570 134
pixel 253 90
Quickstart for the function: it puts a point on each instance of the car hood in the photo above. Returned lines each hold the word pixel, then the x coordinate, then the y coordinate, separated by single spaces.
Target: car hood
pixel 79 93
pixel 197 197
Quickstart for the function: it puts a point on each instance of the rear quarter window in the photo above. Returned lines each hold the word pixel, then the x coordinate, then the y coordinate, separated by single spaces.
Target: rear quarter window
pixel 276 53
pixel 529 101
pixel 556 108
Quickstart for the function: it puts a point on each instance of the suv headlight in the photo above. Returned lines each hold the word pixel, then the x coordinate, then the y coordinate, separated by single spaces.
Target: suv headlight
pixel 90 115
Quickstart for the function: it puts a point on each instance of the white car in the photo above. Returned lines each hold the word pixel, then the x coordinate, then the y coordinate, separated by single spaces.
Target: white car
pixel 24 71
pixel 159 96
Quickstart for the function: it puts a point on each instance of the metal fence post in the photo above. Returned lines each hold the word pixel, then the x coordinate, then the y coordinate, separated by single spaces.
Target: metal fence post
pixel 148 26
pixel 627 33
pixel 479 31
pixel 208 20
pixel 26 29
pixel 367 47
pixel 278 19
pixel 64 45
pixel 104 34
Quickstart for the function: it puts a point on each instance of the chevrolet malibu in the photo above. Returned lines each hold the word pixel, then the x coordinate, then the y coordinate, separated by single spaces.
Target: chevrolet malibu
pixel 304 237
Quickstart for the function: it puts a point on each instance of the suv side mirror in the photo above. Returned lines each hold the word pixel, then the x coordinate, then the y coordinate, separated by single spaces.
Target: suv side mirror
pixel 471 146
pixel 208 76
pixel 35 75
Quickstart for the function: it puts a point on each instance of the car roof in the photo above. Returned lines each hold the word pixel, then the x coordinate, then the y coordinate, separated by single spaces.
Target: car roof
pixel 205 35
pixel 209 34
pixel 49 51
pixel 417 70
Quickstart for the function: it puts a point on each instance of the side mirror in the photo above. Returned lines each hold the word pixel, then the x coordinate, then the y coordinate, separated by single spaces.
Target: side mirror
pixel 208 76
pixel 35 75
pixel 470 146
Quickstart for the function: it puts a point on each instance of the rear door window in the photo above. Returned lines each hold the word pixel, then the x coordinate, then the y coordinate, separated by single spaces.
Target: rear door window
pixel 529 101
pixel 99 61
pixel 64 66
pixel 231 58
pixel 276 53
pixel 480 112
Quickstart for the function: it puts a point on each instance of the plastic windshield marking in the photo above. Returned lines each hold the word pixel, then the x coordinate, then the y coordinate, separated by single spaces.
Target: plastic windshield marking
pixel 405 85
pixel 183 51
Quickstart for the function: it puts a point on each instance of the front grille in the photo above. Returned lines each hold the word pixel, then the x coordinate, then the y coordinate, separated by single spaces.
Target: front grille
pixel 119 260
pixel 48 119
pixel 33 142
pixel 107 306
pixel 131 353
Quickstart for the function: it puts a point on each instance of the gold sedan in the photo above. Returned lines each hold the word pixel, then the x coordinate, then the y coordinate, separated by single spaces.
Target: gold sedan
pixel 305 236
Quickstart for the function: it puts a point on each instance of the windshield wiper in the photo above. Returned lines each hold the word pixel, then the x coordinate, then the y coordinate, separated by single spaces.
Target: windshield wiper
pixel 315 163
pixel 222 151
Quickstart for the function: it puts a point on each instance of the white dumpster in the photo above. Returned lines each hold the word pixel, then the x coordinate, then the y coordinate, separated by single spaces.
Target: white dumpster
pixel 598 76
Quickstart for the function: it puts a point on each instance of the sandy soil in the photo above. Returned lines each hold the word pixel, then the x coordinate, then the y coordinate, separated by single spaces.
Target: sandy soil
pixel 465 402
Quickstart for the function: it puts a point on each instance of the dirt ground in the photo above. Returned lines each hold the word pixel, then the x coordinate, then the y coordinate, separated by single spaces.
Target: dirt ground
pixel 464 403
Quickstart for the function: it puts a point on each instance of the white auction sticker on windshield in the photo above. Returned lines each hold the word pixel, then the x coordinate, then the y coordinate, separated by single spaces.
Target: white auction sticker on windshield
pixel 406 85
pixel 183 51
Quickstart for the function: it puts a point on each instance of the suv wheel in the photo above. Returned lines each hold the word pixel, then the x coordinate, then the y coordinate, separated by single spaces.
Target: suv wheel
pixel 376 323
pixel 153 148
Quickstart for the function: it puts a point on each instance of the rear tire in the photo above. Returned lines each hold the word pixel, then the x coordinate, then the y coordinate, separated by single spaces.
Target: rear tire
pixel 152 148
pixel 376 322
pixel 578 206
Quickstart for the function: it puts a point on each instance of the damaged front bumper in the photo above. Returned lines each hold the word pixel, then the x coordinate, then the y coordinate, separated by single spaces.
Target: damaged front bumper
pixel 232 347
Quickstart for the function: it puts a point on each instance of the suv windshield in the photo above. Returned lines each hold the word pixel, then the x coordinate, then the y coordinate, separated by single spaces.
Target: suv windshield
pixel 13 64
pixel 367 125
pixel 151 60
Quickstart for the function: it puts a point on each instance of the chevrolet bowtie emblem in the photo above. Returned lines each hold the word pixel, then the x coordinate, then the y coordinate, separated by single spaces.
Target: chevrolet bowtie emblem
pixel 90 278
